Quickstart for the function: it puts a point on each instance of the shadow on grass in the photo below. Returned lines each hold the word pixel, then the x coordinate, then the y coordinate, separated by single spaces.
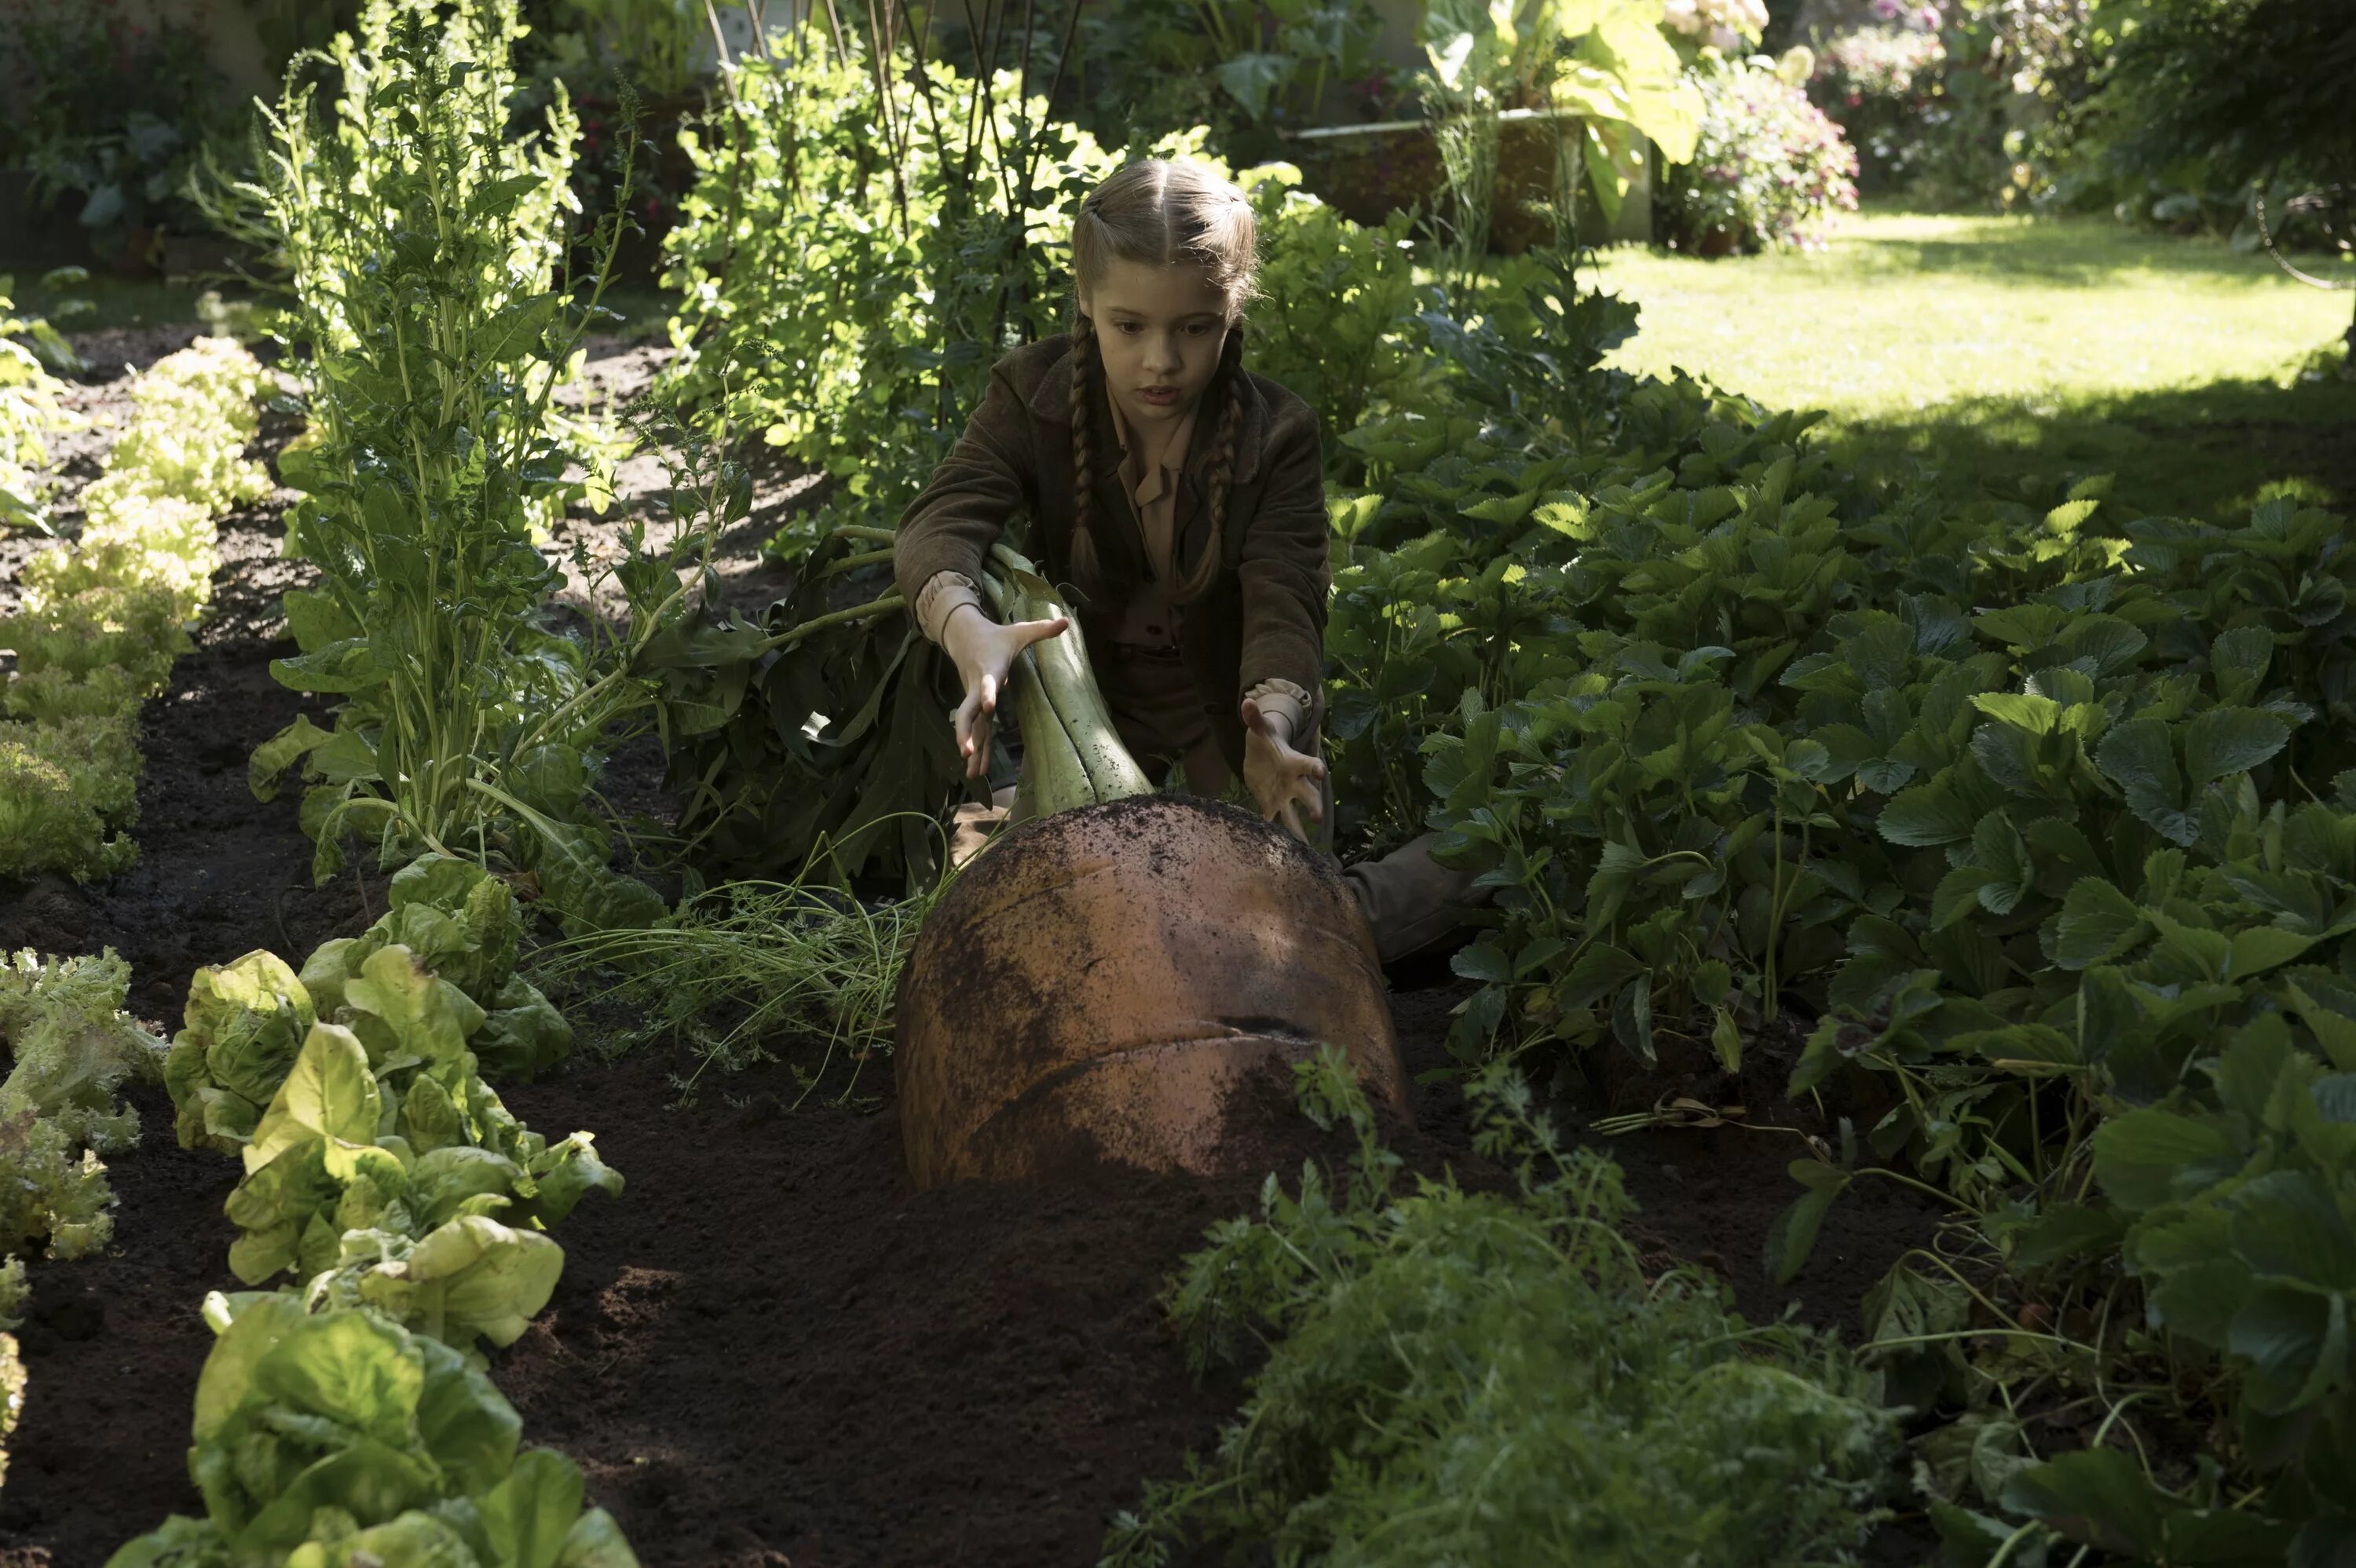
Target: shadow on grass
pixel 2203 452
pixel 2066 252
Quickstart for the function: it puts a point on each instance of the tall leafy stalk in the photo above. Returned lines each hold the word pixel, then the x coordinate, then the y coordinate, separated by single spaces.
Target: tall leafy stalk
pixel 422 239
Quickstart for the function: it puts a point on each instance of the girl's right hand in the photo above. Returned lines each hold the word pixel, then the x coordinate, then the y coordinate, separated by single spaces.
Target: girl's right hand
pixel 983 652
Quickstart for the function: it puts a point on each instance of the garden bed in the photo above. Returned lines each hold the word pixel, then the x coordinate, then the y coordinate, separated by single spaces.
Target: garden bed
pixel 767 1350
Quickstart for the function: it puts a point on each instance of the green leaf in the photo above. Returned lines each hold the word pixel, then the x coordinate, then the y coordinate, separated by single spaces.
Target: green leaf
pixel 315 621
pixel 2263 947
pixel 596 1541
pixel 2097 924
pixel 516 330
pixel 1792 1236
pixel 2288 1228
pixel 228 1375
pixel 2140 758
pixel 245 1023
pixel 567 1172
pixel 2238 661
pixel 348 1367
pixel 406 1014
pixel 351 665
pixel 528 1516
pixel 1483 961
pixel 2296 1343
pixel 2225 741
pixel 330 1093
pixel 2068 1231
pixel 1251 78
pixel 2094 1496
pixel 275 756
pixel 2140 1157
pixel 1927 815
pixel 2032 1045
pixel 2334 1030
pixel 486 1278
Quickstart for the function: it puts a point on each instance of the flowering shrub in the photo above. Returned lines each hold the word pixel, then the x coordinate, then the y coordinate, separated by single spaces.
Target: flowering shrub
pixel 1768 171
pixel 1724 25
pixel 1915 16
pixel 1881 85
pixel 1879 63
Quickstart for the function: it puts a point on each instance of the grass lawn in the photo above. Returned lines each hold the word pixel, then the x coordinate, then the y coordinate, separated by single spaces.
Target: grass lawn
pixel 2016 353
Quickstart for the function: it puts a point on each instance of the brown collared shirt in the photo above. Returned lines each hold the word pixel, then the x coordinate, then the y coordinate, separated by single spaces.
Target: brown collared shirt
pixel 1147 619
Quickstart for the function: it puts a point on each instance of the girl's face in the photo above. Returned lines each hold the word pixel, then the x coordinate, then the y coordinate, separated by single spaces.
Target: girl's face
pixel 1161 329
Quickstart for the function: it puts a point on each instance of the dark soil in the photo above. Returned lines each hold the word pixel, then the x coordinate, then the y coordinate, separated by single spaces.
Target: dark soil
pixel 767 1351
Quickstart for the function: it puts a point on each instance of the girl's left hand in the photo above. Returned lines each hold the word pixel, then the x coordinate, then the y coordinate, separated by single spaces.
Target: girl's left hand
pixel 1283 781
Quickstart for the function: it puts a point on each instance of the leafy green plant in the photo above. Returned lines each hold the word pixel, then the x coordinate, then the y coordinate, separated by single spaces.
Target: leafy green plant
pixel 335 1440
pixel 422 264
pixel 379 1165
pixel 100 620
pixel 178 463
pixel 71 1048
pixel 1243 67
pixel 1334 321
pixel 112 108
pixel 857 295
pixel 30 409
pixel 247 1019
pixel 1604 70
pixel 1460 1376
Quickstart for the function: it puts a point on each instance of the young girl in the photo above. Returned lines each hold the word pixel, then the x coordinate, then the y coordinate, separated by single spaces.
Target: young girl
pixel 1183 497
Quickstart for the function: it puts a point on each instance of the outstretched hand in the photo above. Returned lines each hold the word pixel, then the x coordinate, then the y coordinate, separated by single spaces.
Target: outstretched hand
pixel 1285 783
pixel 983 652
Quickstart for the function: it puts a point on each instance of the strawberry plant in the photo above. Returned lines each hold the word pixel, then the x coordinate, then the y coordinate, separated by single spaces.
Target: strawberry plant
pixel 2033 815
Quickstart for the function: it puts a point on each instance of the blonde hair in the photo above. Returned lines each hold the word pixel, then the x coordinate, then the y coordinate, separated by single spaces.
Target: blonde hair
pixel 1157 213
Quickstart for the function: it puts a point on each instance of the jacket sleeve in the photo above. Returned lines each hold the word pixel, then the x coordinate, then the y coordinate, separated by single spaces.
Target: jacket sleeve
pixel 986 478
pixel 1284 568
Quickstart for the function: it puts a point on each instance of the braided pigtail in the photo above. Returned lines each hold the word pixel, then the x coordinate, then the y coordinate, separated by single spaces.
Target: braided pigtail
pixel 1084 562
pixel 1228 389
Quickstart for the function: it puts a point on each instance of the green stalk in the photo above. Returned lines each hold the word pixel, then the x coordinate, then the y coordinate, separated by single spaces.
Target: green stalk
pixel 1061 665
pixel 1072 753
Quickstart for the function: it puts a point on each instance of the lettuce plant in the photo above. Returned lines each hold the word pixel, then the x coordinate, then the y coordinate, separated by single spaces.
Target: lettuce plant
pixel 71 1046
pixel 30 411
pixel 246 1020
pixel 101 618
pixel 338 1439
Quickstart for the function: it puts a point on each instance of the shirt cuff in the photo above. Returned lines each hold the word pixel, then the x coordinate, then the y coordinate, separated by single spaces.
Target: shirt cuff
pixel 1281 696
pixel 942 596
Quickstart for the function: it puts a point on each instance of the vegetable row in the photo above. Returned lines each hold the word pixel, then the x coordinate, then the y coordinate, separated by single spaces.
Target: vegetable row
pixel 344 1417
pixel 104 617
pixel 70 1047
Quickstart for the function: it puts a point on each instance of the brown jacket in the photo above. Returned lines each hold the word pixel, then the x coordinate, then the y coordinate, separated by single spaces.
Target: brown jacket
pixel 1263 616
